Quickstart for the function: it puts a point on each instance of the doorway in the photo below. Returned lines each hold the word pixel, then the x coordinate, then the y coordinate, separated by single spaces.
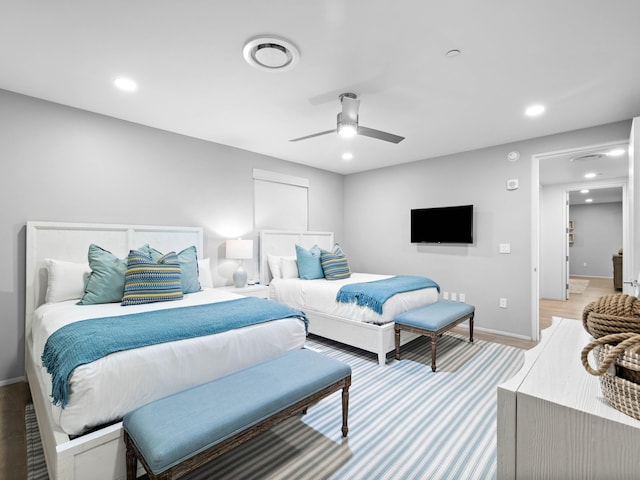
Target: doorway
pixel 595 235
pixel 558 174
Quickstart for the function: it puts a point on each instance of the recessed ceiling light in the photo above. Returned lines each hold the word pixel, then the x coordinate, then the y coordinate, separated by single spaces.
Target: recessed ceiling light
pixel 452 53
pixel 590 175
pixel 125 84
pixel 271 54
pixel 534 110
pixel 589 200
pixel 584 190
pixel 347 156
pixel 616 152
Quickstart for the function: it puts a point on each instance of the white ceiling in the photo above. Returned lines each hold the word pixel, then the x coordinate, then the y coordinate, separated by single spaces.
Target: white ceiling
pixel 569 169
pixel 581 58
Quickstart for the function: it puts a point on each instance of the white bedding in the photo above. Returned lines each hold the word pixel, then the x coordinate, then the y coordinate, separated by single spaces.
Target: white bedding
pixel 104 390
pixel 320 296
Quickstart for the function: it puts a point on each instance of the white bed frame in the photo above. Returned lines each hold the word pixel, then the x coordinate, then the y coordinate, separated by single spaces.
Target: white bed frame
pixel 100 454
pixel 379 339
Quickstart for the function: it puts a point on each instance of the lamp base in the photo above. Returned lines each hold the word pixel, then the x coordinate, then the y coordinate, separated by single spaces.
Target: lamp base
pixel 240 277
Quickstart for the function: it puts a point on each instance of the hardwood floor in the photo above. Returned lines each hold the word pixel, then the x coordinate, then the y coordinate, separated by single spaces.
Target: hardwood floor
pixel 14 397
pixel 573 307
pixel 13 449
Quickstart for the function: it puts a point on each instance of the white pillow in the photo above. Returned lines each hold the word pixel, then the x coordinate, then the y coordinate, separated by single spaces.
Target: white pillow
pixel 289 267
pixel 274 266
pixel 204 273
pixel 65 280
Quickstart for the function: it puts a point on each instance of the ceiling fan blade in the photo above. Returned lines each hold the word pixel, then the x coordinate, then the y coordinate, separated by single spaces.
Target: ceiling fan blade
pixel 350 108
pixel 387 137
pixel 313 135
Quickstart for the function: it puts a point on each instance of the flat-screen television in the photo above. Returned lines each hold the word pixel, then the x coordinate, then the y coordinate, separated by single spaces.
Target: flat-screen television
pixel 442 224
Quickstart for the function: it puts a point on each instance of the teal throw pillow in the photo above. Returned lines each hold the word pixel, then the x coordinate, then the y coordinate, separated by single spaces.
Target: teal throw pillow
pixel 188 259
pixel 309 267
pixel 149 281
pixel 334 264
pixel 105 283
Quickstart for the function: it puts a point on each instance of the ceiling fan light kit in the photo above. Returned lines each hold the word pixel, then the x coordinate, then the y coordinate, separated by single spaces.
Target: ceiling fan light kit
pixel 348 126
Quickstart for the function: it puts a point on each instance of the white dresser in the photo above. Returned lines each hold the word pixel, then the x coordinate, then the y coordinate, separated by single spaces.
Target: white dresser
pixel 554 422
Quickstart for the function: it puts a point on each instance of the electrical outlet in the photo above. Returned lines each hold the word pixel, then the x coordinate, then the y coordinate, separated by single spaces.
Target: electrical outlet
pixel 453 296
pixel 461 297
pixel 503 303
pixel 585 264
pixel 445 295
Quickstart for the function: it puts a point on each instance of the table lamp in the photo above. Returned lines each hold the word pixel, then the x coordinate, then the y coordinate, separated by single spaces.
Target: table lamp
pixel 240 250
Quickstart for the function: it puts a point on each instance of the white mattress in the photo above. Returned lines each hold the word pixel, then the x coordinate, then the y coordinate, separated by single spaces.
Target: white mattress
pixel 320 296
pixel 104 390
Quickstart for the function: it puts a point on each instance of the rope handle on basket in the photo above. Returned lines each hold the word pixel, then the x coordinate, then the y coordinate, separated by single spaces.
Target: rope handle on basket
pixel 626 340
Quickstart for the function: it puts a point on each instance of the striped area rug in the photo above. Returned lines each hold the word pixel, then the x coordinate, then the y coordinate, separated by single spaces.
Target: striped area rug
pixel 405 422
pixel 36 466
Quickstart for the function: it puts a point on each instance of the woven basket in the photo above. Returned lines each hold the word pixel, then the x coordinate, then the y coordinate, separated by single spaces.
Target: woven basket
pixel 615 313
pixel 618 366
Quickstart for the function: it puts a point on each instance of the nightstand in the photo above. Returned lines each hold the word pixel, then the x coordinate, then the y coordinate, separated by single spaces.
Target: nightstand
pixel 260 291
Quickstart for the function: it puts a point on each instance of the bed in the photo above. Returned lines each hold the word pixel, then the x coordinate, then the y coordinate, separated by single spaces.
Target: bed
pixel 87 432
pixel 349 323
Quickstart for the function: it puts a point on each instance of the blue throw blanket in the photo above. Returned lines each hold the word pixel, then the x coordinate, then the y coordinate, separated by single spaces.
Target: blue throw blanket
pixel 374 294
pixel 88 340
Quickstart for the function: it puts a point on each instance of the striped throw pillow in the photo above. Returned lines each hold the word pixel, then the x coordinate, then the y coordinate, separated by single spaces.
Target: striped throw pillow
pixel 147 281
pixel 334 264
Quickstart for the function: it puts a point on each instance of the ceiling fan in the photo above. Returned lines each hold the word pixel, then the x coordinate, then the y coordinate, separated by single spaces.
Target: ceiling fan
pixel 348 123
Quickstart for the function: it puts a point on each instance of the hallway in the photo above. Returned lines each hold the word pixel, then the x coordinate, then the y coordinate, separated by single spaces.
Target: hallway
pixel 573 307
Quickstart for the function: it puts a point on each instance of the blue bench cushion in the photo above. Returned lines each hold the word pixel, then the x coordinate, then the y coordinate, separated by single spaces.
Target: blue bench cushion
pixel 174 428
pixel 434 316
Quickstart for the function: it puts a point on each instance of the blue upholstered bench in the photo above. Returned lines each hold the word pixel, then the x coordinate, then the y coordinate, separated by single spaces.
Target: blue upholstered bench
pixel 433 320
pixel 177 434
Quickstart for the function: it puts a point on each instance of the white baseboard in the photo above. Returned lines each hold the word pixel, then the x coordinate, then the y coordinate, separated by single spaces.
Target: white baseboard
pixel 591 276
pixel 12 380
pixel 465 324
pixel 501 333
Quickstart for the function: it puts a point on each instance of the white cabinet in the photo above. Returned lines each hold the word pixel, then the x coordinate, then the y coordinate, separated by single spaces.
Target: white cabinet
pixel 554 422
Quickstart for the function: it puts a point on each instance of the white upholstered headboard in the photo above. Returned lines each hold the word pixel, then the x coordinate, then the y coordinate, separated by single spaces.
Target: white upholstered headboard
pixel 283 242
pixel 70 242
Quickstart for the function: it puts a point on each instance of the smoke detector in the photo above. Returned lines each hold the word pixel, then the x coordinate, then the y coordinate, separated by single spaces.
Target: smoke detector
pixel 271 54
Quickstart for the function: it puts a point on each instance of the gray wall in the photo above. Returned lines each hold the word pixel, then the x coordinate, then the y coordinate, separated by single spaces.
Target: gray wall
pixel 377 205
pixel 598 235
pixel 64 164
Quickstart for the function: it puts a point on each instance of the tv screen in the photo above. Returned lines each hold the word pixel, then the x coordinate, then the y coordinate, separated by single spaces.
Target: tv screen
pixel 442 224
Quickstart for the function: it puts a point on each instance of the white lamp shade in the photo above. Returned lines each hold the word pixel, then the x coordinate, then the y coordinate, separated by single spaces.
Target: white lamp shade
pixel 240 249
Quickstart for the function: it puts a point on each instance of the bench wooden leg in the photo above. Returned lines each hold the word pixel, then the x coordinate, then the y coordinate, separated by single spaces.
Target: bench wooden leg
pixel 345 406
pixel 397 328
pixel 434 340
pixel 131 460
pixel 471 327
